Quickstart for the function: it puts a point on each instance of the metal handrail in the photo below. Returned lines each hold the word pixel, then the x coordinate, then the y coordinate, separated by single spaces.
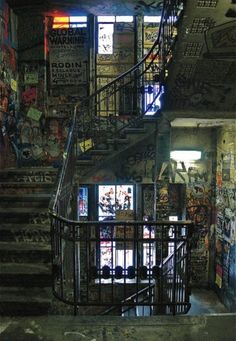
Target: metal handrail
pixel 74 246
pixel 89 122
pixel 87 117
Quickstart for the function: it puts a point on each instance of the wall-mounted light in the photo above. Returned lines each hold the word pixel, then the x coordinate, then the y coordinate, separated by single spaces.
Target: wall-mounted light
pixel 185 155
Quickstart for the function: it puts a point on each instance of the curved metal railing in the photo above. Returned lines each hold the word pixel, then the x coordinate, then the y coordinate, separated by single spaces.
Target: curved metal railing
pixel 97 117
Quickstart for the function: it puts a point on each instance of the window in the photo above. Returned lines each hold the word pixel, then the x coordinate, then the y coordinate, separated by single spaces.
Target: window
pixel 152 95
pixel 111 200
pixel 152 19
pixel 106 31
pixel 67 22
pixel 82 202
pixel 105 38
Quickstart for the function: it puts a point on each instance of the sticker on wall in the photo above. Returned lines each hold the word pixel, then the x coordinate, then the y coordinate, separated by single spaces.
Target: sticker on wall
pixel 31 78
pixel 34 114
pixel 14 85
pixel 86 145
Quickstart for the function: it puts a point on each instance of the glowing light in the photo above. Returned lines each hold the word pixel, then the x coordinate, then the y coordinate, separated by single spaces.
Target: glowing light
pixel 105 38
pixel 124 18
pixel 106 18
pixel 66 22
pixel 151 19
pixel 60 22
pixel 185 155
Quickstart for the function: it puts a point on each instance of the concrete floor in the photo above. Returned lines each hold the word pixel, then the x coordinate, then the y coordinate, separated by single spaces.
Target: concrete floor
pixel 206 321
pixel 205 301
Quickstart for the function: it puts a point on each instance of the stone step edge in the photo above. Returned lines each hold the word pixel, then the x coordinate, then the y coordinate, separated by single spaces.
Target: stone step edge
pixel 25 268
pixel 24 227
pixel 23 210
pixel 26 294
pixel 28 169
pixel 24 247
pixel 26 196
pixel 25 184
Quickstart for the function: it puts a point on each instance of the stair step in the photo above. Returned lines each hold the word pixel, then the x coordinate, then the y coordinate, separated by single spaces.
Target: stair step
pixel 118 141
pixel 19 227
pixel 22 188
pixel 26 197
pixel 24 215
pixel 84 162
pixel 31 170
pixel 31 174
pixel 25 274
pixel 16 301
pixel 25 184
pixel 99 151
pixel 22 210
pixel 25 252
pixel 39 200
pixel 135 130
pixel 25 232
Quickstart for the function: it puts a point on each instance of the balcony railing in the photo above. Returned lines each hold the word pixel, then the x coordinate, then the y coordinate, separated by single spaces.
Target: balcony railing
pixel 131 275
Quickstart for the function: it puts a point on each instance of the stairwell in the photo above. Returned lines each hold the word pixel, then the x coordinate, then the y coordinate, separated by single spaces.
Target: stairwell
pixel 25 251
pixel 113 148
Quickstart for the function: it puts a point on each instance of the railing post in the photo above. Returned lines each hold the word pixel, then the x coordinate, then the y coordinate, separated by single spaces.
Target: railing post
pixel 139 55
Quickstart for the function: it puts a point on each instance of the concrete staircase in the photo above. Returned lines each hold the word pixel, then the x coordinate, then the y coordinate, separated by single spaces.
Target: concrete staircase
pixel 25 251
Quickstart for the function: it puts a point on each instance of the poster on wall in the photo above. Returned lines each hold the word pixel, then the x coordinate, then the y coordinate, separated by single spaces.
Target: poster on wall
pixel 68 57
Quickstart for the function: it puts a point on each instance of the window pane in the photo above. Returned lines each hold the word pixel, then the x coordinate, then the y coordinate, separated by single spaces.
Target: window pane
pixel 79 21
pixel 82 202
pixel 105 38
pixel 151 19
pixel 106 18
pixel 60 22
pixel 124 18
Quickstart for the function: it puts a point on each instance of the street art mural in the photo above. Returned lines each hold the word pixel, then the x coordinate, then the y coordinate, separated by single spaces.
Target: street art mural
pixel 197 199
pixel 224 229
pixel 8 90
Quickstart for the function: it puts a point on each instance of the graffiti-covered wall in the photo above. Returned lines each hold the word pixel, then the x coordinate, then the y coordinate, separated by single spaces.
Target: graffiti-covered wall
pixel 224 230
pixel 196 175
pixel 8 84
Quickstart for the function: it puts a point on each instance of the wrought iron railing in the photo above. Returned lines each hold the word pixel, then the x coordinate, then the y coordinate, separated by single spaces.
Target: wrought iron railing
pixel 150 271
pixel 97 118
pixel 79 278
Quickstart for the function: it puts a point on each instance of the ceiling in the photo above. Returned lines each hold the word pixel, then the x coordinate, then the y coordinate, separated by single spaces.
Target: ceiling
pixel 85 7
pixel 202 76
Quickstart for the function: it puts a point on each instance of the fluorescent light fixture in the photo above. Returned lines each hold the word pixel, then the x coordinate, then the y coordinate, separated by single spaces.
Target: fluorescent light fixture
pixel 173 217
pixel 185 155
pixel 152 19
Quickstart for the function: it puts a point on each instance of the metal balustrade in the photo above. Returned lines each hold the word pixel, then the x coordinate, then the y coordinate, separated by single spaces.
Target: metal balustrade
pixel 79 276
pixel 159 280
pixel 96 118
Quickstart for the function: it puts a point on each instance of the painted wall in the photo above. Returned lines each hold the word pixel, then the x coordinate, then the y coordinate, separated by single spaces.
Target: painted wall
pixel 224 229
pixel 36 128
pixel 197 176
pixel 8 84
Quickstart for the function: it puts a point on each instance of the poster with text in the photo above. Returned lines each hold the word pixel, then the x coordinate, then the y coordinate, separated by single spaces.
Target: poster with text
pixel 68 56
